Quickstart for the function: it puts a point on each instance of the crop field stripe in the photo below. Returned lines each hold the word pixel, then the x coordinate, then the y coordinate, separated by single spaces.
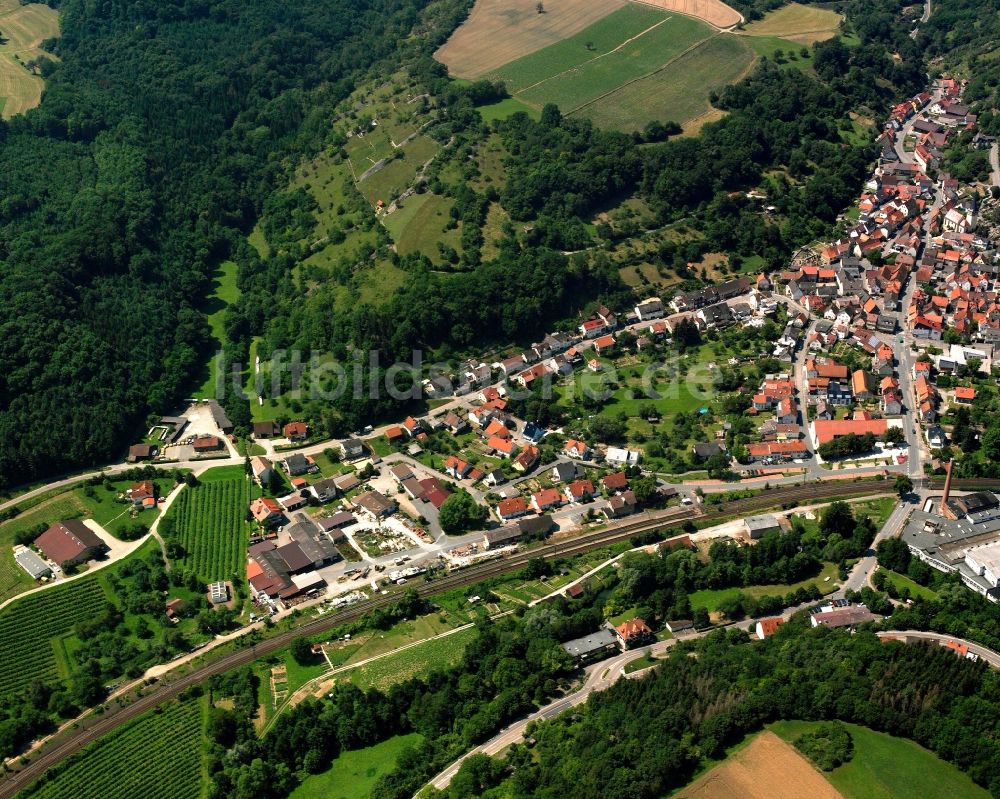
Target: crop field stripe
pixel 211 528
pixel 604 36
pixel 156 757
pixel 654 52
pixel 656 71
pixel 621 46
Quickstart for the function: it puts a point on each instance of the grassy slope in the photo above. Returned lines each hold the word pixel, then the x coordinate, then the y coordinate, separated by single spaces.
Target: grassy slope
pixel 795 20
pixel 884 767
pixel 225 293
pixel 604 36
pixel 589 81
pixel 678 93
pixel 22 27
pixel 353 774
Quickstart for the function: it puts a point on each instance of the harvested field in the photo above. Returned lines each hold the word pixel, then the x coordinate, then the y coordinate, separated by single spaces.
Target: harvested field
pixel 768 768
pixel 714 12
pixel 678 93
pixel 802 24
pixel 500 31
pixel 24 28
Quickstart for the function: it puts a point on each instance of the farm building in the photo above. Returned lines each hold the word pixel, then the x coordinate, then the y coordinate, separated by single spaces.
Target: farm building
pixel 207 444
pixel 309 538
pixel 32 564
pixel 843 617
pixel 70 541
pixel 141 452
pixel 265 429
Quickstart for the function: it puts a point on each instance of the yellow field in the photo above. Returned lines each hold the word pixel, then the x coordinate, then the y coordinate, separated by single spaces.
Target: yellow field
pixel 803 24
pixel 768 768
pixel 23 28
pixel 714 12
pixel 500 31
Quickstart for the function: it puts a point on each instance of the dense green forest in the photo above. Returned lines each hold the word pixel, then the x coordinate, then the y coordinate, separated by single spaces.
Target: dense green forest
pixel 160 134
pixel 643 738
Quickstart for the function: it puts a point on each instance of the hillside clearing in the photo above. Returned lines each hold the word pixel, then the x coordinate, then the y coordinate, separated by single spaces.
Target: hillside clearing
pixel 500 31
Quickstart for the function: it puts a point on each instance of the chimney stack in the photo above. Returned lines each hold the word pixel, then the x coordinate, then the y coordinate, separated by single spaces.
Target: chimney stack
pixel 947 486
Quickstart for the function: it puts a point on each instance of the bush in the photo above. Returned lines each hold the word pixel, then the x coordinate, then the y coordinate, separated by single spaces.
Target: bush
pixel 828 746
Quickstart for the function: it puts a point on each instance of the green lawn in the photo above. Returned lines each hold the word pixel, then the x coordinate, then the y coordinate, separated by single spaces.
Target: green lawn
pixel 651 51
pixel 710 598
pixel 901 581
pixel 884 767
pixel 506 108
pixel 354 773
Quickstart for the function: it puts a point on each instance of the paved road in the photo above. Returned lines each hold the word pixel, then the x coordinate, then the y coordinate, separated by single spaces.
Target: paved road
pixel 992 658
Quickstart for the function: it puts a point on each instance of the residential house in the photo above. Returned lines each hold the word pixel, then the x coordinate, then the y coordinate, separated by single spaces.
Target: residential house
pixel 455 423
pixel 576 449
pixel 504 447
pixel 615 482
pixel 651 308
pixel 965 395
pixel 579 491
pixel 703 450
pixel 767 627
pixel 605 344
pixel 352 448
pixel 776 451
pixel 325 490
pixel 563 472
pixel 512 508
pixel 295 431
pixel 862 385
pixel 619 505
pixel 592 328
pixel 456 467
pixel 297 463
pixel 262 469
pixel 526 459
pixel 143 494
pixel 546 499
pixel 267 512
pixel 634 632
pixel 346 482
pixel 622 457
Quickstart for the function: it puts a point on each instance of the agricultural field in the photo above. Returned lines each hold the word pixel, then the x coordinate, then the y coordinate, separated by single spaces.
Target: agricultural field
pixel 884 767
pixel 797 23
pixel 500 31
pixel 23 28
pixel 635 55
pixel 767 768
pixel 32 629
pixel 714 12
pixel 210 523
pixel 417 661
pixel 678 93
pixel 353 774
pixel 159 756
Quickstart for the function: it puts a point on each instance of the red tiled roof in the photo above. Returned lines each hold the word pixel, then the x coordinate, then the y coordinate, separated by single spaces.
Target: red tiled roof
pixel 632 628
pixel 827 430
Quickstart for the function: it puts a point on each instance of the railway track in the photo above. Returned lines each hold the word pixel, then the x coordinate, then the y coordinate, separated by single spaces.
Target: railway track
pixel 94 726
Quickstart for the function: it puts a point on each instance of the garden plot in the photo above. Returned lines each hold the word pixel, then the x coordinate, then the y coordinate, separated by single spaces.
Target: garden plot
pixel 386 538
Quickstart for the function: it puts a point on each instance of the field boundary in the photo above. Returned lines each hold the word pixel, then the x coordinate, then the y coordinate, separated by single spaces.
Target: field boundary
pixel 656 71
